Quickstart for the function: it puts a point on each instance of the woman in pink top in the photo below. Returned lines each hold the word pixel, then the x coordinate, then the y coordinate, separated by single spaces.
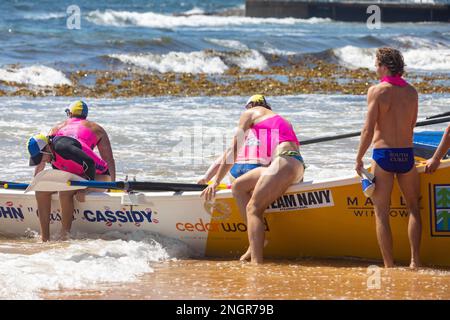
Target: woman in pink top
pixel 258 188
pixel 253 154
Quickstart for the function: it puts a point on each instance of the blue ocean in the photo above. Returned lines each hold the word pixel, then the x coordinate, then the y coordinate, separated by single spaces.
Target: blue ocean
pixel 51 38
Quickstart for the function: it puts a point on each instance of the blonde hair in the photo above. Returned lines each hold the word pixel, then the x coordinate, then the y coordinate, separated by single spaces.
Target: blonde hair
pixel 391 59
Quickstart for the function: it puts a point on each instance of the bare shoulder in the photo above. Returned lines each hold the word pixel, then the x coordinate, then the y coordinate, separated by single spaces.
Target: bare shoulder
pixel 412 90
pixel 376 91
pixel 259 112
pixel 57 127
pixel 251 114
pixel 98 129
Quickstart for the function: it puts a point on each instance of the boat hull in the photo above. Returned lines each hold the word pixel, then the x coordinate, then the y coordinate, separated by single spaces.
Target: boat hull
pixel 324 219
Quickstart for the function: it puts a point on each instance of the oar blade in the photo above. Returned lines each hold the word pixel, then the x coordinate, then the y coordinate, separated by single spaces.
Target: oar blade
pixel 54 180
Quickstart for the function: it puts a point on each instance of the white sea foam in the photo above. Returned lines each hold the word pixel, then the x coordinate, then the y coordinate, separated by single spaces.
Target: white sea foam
pixel 45 16
pixel 355 57
pixel 82 264
pixel 156 20
pixel 38 75
pixel 412 42
pixel 194 11
pixel 251 59
pixel 180 62
pixel 271 50
pixel 429 60
pixel 195 62
pixel 421 59
pixel 231 44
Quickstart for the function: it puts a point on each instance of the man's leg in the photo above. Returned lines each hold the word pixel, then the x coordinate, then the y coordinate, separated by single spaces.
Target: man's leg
pixel 381 199
pixel 67 207
pixel 44 202
pixel 410 187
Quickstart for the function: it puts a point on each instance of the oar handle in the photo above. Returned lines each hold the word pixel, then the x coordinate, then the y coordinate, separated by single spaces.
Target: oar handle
pixel 125 185
pixel 13 185
pixel 99 184
pixel 429 122
pixel 144 186
pixel 323 139
pixel 439 115
pixel 357 133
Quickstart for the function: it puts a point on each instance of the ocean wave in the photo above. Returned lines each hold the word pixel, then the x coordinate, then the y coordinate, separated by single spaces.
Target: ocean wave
pixel 143 42
pixel 45 16
pixel 372 40
pixel 194 11
pixel 37 75
pixel 421 59
pixel 238 10
pixel 180 62
pixel 412 42
pixel 210 62
pixel 156 20
pixel 231 44
pixel 250 59
pixel 80 264
pixel 279 52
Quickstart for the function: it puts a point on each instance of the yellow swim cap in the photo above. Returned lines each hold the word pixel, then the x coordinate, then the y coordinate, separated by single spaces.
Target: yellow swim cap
pixel 257 100
pixel 78 109
pixel 35 145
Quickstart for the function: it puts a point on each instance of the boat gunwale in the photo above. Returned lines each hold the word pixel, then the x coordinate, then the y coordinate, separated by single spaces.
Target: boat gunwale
pixel 223 194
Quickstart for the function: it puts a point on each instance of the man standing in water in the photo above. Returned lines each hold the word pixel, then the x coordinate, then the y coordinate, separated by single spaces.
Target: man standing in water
pixel 69 147
pixel 391 118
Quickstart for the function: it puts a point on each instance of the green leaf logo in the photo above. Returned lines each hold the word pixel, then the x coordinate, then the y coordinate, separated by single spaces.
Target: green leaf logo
pixel 443 197
pixel 443 220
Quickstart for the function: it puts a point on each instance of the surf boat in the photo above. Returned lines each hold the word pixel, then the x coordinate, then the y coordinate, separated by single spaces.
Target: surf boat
pixel 330 218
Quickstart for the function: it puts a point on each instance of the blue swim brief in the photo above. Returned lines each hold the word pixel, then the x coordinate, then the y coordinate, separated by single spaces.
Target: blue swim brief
pixel 397 160
pixel 239 169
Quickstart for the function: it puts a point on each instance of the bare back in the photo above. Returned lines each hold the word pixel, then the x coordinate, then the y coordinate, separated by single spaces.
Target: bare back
pixel 95 128
pixel 397 115
pixel 103 142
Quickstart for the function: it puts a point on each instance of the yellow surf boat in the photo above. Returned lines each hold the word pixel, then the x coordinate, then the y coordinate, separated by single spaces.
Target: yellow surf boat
pixel 329 218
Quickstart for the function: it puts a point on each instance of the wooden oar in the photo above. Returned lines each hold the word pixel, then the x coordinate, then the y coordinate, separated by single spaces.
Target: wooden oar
pixel 439 115
pixel 13 185
pixel 144 186
pixel 56 180
pixel 357 133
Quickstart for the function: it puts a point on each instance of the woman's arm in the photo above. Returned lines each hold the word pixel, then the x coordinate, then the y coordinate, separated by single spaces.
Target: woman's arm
pixel 433 163
pixel 229 157
pixel 41 166
pixel 212 170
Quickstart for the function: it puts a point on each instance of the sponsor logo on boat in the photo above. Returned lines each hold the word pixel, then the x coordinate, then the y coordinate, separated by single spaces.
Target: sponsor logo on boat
pixel 218 210
pixel 303 200
pixel 109 216
pixel 11 213
pixel 363 207
pixel 441 214
pixel 201 226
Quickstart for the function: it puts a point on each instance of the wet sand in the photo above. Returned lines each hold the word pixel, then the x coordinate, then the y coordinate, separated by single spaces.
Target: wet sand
pixel 294 279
